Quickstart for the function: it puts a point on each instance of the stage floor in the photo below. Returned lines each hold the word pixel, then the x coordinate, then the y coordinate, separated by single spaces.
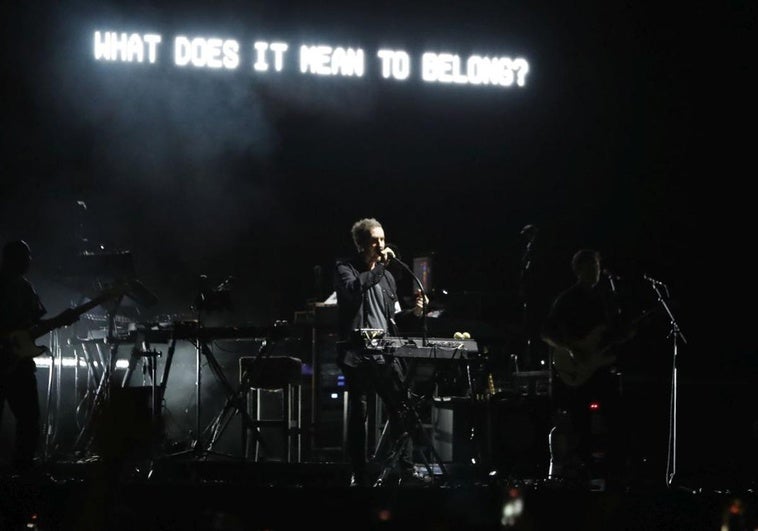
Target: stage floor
pixel 211 493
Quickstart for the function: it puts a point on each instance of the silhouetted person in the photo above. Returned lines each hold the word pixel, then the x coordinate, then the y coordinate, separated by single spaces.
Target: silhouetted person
pixel 21 311
pixel 582 326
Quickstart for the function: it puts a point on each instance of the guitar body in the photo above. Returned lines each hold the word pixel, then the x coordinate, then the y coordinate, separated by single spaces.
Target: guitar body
pixel 17 346
pixel 574 370
pixel 576 364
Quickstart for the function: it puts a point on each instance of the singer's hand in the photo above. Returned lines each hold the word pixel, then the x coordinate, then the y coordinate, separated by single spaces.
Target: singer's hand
pixel 421 301
pixel 385 255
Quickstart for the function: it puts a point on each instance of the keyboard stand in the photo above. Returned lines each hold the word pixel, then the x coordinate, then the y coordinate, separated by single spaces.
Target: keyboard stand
pixel 413 424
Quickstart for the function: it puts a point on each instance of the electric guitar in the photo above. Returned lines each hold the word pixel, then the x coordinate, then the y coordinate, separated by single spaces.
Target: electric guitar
pixel 20 344
pixel 576 364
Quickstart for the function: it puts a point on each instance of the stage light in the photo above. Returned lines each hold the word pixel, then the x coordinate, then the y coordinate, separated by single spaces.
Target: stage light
pixel 384 515
pixel 512 509
pixel 733 517
pixel 47 361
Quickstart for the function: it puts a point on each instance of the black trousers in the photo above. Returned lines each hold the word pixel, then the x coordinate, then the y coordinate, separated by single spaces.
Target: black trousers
pixel 19 390
pixel 592 417
pixel 387 380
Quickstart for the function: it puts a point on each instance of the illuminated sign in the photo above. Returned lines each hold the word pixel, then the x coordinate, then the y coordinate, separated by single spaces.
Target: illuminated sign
pixel 264 57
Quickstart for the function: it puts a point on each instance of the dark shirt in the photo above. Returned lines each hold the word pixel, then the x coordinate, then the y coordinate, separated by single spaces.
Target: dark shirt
pixel 20 308
pixel 20 305
pixel 353 280
pixel 576 312
pixel 367 299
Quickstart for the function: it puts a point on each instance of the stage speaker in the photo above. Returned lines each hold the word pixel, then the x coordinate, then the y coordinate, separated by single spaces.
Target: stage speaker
pixel 123 428
pixel 517 436
pixel 454 429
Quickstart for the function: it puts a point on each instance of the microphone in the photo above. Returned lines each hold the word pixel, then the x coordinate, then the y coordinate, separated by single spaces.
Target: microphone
pixel 226 284
pixel 652 280
pixel 655 282
pixel 392 247
pixel 529 231
pixel 611 275
pixel 612 278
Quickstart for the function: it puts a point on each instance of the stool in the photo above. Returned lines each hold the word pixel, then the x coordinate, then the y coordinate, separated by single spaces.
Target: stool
pixel 261 378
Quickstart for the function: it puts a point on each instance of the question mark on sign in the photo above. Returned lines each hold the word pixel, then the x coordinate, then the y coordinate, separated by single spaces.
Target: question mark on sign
pixel 521 66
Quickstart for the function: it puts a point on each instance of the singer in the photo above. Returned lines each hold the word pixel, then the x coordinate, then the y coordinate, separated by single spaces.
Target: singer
pixel 367 299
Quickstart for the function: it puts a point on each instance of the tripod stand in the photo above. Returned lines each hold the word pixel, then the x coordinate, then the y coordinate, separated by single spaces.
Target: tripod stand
pixel 235 403
pixel 409 419
pixel 208 299
pixel 143 351
pixel 101 398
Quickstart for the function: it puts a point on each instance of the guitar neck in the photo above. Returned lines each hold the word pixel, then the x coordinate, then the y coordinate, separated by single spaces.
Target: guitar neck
pixel 41 329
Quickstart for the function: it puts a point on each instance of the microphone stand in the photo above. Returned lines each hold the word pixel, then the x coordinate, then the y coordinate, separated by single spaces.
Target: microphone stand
pixel 526 294
pixel 409 405
pixel 674 333
pixel 423 300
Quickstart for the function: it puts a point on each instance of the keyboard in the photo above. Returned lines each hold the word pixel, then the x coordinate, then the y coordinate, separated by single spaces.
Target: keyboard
pixel 434 348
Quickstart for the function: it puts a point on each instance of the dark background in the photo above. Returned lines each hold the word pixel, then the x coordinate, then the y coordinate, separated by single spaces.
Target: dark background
pixel 630 137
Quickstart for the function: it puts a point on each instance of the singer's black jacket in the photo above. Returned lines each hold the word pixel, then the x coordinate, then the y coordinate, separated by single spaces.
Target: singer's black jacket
pixel 352 280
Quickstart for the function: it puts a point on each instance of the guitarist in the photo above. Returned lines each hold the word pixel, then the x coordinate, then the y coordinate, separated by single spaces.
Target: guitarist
pixel 582 318
pixel 20 308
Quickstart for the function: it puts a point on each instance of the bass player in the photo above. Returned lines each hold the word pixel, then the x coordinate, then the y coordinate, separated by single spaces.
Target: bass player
pixel 21 308
pixel 583 324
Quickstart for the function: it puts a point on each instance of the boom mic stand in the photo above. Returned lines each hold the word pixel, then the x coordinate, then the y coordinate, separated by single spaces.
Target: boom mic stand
pixel 410 413
pixel 530 233
pixel 675 334
pixel 423 300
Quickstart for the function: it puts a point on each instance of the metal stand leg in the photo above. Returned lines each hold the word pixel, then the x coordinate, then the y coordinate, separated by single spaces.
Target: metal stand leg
pixel 671 455
pixel 237 403
pixel 411 421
